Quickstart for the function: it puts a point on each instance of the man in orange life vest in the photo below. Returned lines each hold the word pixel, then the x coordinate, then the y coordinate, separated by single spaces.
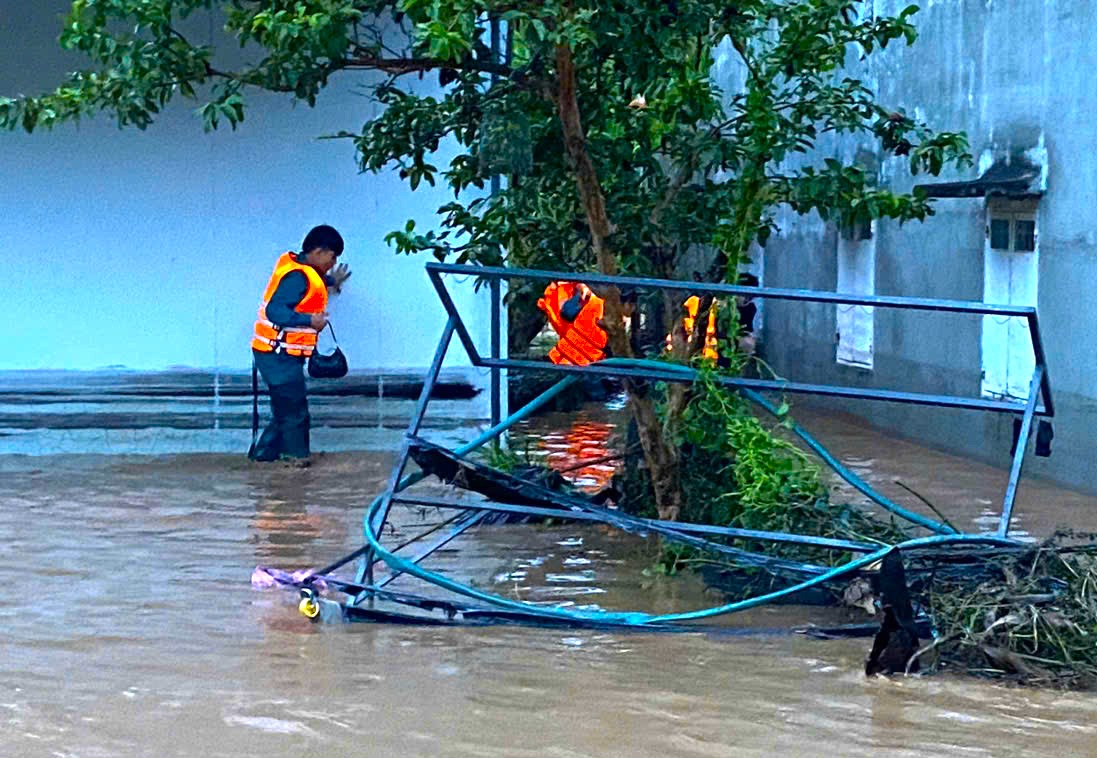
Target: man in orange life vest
pixel 291 315
pixel 575 313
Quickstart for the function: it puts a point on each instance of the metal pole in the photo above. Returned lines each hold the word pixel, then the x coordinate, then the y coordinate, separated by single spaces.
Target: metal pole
pixel 365 571
pixel 496 372
pixel 798 295
pixel 451 309
pixel 1019 452
pixel 677 526
pixel 674 373
pixel 1041 360
pixel 495 40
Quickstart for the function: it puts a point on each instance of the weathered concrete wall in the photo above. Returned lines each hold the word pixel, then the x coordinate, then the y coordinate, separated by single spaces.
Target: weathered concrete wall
pixel 1016 76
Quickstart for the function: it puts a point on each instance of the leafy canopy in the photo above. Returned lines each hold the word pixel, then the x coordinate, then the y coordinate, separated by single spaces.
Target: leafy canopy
pixel 677 161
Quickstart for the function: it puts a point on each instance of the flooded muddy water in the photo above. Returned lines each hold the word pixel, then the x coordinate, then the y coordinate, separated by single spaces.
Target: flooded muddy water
pixel 130 628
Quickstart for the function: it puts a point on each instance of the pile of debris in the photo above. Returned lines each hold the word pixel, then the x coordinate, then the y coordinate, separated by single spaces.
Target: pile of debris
pixel 1028 616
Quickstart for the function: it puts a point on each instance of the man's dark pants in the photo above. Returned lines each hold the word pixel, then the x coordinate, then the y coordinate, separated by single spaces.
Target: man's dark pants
pixel 287 434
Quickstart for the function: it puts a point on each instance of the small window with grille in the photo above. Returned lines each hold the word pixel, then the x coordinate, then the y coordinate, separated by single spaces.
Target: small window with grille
pixel 1011 226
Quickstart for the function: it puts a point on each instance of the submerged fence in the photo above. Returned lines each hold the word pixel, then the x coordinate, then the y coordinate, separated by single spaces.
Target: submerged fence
pixel 365 591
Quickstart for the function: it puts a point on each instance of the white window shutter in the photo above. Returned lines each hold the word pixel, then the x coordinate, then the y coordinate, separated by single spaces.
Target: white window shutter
pixel 855 323
pixel 1022 290
pixel 1010 277
pixel 995 343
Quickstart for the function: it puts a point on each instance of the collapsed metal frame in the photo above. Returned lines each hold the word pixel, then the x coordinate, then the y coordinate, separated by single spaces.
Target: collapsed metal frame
pixel 1038 403
pixel 365 588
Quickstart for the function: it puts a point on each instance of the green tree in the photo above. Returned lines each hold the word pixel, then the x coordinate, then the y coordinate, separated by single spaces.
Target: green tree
pixel 622 151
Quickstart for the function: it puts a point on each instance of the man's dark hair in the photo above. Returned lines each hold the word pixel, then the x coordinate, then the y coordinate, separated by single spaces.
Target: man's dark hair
pixel 322 237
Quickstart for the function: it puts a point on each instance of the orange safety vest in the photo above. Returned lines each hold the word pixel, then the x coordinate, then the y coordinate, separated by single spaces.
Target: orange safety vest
pixel 691 305
pixel 582 340
pixel 294 340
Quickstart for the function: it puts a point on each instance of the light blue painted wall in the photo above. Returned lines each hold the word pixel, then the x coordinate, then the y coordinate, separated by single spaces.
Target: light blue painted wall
pixel 150 250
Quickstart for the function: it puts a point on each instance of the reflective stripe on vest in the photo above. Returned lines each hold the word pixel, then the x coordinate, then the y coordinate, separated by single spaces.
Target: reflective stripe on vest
pixel 294 340
pixel 583 340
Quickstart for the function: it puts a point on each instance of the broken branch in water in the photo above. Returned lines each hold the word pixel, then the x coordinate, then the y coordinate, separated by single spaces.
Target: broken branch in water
pixel 931 506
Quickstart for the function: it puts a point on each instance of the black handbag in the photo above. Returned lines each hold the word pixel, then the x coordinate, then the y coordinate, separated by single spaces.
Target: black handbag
pixel 330 366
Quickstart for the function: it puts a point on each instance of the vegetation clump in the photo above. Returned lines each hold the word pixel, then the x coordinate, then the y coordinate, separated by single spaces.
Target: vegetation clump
pixel 1029 616
pixel 741 471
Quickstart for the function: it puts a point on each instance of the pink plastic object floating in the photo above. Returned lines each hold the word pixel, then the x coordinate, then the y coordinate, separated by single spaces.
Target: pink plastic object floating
pixel 265 577
pixel 261 579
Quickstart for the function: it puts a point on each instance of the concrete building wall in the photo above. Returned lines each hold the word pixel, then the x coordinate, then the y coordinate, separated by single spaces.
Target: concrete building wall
pixel 1017 77
pixel 148 251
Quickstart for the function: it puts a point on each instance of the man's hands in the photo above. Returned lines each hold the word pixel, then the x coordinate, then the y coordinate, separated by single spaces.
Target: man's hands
pixel 337 276
pixel 335 279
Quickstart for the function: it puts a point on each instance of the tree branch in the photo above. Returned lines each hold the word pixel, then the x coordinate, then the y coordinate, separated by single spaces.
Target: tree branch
pixel 412 65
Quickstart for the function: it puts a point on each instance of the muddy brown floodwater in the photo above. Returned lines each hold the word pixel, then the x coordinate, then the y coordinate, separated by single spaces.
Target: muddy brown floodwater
pixel 129 628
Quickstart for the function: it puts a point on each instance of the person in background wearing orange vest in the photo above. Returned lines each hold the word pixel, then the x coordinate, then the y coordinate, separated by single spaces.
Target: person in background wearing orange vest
pixel 693 302
pixel 574 312
pixel 291 315
pixel 747 310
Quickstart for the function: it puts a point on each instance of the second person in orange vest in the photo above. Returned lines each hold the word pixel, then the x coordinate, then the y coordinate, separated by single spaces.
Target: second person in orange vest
pixel 291 314
pixel 575 313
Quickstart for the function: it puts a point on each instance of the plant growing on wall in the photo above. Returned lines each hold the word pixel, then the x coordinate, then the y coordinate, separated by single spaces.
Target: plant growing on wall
pixel 622 149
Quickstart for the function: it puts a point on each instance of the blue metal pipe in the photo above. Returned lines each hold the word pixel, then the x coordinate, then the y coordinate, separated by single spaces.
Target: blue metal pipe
pixel 487 436
pixel 633 618
pixel 684 528
pixel 850 477
pixel 496 335
pixel 664 371
pixel 1019 451
pixel 835 573
pixel 365 568
pixel 434 270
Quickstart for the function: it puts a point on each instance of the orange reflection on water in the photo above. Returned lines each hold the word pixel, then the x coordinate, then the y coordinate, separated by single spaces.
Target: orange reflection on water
pixel 586 440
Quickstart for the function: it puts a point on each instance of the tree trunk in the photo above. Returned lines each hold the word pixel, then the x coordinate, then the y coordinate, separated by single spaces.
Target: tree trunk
pixel 524 321
pixel 660 454
pixel 659 451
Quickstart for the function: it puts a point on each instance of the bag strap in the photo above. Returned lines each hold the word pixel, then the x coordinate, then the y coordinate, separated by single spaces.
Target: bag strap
pixel 333 337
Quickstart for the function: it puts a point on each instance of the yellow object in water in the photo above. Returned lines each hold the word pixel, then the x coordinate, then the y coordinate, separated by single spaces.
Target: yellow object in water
pixel 309 607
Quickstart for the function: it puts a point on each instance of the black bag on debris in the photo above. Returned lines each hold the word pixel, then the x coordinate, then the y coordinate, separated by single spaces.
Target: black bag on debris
pixel 330 366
